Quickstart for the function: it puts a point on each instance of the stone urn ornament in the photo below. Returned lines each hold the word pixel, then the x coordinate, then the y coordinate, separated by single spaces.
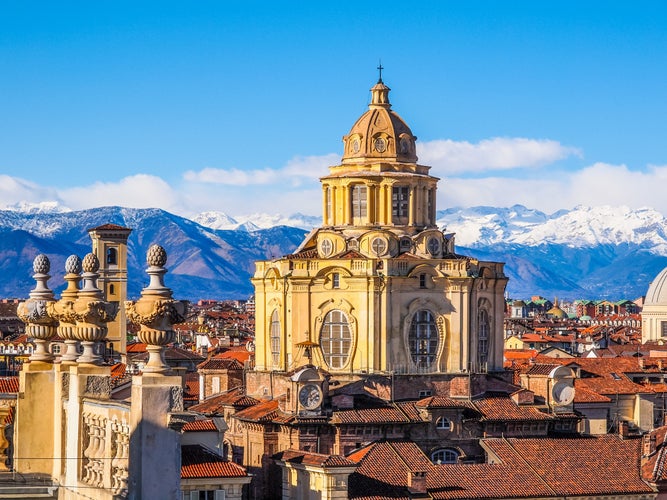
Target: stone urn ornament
pixel 34 312
pixel 92 312
pixel 63 310
pixel 156 312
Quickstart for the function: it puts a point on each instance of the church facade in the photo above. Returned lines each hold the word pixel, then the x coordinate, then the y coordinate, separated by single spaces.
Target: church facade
pixel 378 288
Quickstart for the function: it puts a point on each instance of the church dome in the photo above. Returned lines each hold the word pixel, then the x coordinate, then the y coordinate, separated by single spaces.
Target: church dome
pixel 657 290
pixel 379 134
pixel 557 312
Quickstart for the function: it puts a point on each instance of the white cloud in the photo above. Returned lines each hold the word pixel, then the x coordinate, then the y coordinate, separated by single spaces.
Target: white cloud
pixel 136 191
pixel 297 170
pixel 449 157
pixel 597 184
pixel 294 188
pixel 15 191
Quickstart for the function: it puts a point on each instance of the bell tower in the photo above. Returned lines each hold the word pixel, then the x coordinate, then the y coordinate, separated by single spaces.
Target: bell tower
pixel 110 247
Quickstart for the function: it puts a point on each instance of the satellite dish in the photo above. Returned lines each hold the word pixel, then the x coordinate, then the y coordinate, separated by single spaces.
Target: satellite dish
pixel 562 393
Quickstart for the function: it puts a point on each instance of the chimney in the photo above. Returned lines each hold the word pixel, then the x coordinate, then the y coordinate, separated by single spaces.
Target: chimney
pixel 623 429
pixel 648 445
pixel 417 483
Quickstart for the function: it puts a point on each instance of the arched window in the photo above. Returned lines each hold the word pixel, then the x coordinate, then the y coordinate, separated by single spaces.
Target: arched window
pixel 275 338
pixel 443 423
pixel 112 256
pixel 335 339
pixel 483 337
pixel 423 339
pixel 445 456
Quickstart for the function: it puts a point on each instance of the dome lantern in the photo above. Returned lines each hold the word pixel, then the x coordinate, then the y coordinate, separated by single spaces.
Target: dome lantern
pixel 380 135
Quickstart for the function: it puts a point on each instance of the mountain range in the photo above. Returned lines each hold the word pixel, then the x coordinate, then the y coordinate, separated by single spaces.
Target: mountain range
pixel 586 252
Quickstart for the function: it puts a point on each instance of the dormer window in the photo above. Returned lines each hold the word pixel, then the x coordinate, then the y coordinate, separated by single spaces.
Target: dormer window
pixel 422 281
pixel 443 424
pixel 445 456
pixel 335 280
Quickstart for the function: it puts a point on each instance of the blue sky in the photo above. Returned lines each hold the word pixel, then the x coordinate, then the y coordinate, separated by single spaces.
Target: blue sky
pixel 240 106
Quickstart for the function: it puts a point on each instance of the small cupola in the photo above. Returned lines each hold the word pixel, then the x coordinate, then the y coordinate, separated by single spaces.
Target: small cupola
pixel 379 135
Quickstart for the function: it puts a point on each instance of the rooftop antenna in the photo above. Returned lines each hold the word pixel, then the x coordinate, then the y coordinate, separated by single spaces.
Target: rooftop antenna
pixel 380 68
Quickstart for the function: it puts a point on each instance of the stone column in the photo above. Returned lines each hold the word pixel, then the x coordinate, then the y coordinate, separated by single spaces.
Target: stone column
pixel 63 310
pixel 154 448
pixel 92 313
pixel 35 424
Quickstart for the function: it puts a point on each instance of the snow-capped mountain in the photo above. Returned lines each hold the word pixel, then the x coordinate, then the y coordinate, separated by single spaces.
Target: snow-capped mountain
pixel 578 228
pixel 598 252
pixel 202 262
pixel 252 222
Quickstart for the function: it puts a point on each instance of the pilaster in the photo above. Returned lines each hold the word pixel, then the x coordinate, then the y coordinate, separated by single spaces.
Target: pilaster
pixel 155 454
pixel 34 427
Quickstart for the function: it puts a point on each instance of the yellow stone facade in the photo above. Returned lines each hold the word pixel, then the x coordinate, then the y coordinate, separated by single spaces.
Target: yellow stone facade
pixel 378 287
pixel 110 246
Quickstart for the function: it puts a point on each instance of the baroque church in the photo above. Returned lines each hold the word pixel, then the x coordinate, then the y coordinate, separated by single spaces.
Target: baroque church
pixel 379 288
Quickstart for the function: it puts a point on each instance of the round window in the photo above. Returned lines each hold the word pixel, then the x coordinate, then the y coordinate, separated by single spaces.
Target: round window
pixel 326 247
pixel 379 246
pixel 380 145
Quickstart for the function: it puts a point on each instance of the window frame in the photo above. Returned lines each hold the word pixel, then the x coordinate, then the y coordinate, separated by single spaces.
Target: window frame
pixel 400 204
pixel 423 339
pixel 336 339
pixel 358 203
pixel 449 456
pixel 275 333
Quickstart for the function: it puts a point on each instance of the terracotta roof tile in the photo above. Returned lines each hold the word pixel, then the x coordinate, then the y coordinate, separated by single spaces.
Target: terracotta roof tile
pixel 542 369
pixel 523 469
pixel 496 406
pixel 206 425
pixel 442 402
pixel 191 392
pixel 609 457
pixel 316 459
pixel 198 462
pixel 239 354
pixel 383 415
pixel 583 394
pixel 215 405
pixel 265 411
pixel 109 227
pixel 220 364
pixel 9 384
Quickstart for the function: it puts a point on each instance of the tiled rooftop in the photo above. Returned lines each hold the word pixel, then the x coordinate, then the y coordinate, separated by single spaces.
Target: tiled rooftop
pixel 316 459
pixel 9 384
pixel 206 425
pixel 524 468
pixel 497 406
pixel 198 463
pixel 215 404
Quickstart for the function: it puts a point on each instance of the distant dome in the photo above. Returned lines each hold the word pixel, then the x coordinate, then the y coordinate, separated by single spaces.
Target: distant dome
pixel 557 312
pixel 657 290
pixel 380 134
